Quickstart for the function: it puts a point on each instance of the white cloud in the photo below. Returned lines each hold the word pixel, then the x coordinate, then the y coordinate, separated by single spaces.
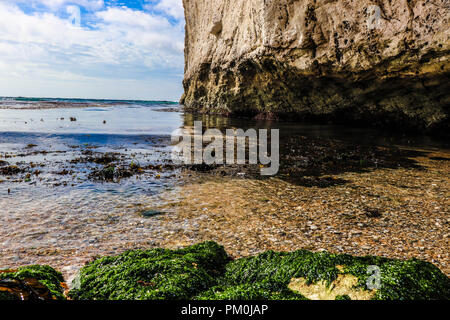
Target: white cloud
pixel 120 45
pixel 173 8
pixel 57 4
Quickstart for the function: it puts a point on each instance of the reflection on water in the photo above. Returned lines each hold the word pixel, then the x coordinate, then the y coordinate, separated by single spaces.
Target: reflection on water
pixel 350 134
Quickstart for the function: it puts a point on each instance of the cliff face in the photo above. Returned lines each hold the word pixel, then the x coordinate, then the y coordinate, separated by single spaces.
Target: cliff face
pixel 380 61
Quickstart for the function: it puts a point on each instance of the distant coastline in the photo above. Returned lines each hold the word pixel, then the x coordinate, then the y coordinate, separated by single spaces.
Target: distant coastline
pixel 29 103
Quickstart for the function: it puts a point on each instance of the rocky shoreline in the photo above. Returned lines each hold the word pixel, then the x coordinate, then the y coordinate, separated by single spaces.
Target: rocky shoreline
pixel 205 272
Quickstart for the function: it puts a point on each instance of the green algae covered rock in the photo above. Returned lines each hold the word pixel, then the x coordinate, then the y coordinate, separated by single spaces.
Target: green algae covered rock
pixel 31 283
pixel 152 274
pixel 205 272
pixel 303 274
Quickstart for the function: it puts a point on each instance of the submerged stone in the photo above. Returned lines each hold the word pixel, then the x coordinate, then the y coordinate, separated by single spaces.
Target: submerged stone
pixel 151 213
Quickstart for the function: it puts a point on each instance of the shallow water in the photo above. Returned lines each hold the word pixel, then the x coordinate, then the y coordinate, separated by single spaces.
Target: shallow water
pixel 119 120
pixel 62 217
pixel 57 206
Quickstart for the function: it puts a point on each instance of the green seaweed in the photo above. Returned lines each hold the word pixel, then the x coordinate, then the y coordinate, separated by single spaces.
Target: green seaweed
pixel 255 291
pixel 45 275
pixel 205 272
pixel 399 280
pixel 153 274
pixel 343 297
pixel 7 296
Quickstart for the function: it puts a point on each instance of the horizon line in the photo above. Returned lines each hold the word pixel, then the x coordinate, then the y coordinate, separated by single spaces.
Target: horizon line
pixel 98 99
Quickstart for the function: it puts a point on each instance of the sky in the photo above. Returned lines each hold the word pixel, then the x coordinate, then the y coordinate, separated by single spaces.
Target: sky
pixel 95 49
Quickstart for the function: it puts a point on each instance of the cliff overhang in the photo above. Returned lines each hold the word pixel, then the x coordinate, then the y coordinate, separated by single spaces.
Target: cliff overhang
pixel 365 62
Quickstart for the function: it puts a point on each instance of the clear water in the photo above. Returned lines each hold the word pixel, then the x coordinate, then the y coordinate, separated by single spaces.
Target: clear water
pixel 112 119
pixel 70 213
pixel 63 220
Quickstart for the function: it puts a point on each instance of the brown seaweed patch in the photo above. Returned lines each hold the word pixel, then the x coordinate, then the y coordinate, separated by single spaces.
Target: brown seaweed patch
pixel 11 170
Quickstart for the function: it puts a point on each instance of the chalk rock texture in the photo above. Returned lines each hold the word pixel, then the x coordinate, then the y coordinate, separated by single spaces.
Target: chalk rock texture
pixel 383 63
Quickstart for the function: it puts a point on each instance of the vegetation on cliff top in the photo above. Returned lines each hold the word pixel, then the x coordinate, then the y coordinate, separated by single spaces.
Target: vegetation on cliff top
pixel 204 271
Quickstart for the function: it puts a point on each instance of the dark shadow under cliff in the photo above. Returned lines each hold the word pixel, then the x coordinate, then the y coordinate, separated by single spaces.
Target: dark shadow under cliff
pixel 269 89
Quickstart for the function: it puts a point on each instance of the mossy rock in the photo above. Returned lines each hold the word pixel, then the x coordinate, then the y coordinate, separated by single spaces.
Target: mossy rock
pixel 249 291
pixel 329 276
pixel 205 272
pixel 152 274
pixel 31 283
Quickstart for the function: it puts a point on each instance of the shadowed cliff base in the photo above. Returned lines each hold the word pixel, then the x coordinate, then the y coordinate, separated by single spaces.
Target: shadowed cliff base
pixel 313 162
pixel 271 90
pixel 310 155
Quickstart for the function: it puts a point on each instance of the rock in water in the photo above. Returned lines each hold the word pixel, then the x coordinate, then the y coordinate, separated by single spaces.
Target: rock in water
pixel 382 63
pixel 31 283
pixel 151 213
pixel 151 275
pixel 205 272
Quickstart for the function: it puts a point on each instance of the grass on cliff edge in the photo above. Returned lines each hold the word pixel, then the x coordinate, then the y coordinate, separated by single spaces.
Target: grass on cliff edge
pixel 204 271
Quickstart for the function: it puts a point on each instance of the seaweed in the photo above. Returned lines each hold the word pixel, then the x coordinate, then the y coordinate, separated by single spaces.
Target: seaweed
pixel 111 173
pixel 399 280
pixel 31 283
pixel 256 291
pixel 11 170
pixel 205 272
pixel 153 274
